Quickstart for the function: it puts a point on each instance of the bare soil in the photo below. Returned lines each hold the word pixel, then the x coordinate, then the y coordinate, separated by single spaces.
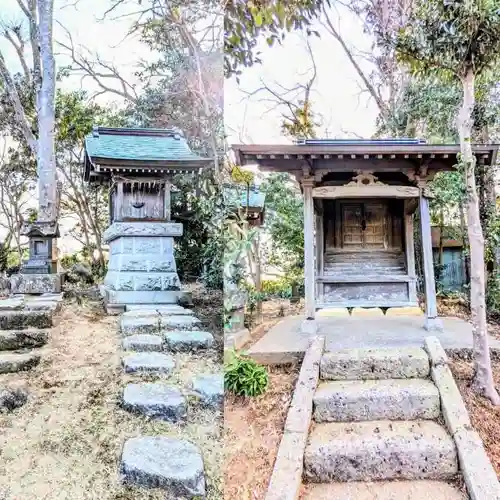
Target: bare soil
pixel 66 442
pixel 252 433
pixel 485 417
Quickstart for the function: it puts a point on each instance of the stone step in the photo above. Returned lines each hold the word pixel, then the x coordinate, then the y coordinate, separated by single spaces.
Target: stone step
pixel 210 388
pixel 187 340
pixel 359 364
pixel 156 323
pixel 155 400
pixel 379 450
pixel 393 399
pixel 11 340
pixel 22 319
pixel 161 462
pixel 17 362
pixel 157 310
pixel 11 399
pixel 143 342
pixel 148 362
pixel 385 490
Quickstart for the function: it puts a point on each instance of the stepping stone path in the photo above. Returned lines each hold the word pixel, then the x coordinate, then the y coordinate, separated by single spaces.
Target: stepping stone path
pixel 152 336
pixel 25 322
pixel 377 428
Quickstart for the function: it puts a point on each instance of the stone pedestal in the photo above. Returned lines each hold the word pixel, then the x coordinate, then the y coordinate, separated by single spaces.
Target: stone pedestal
pixel 141 267
pixel 35 284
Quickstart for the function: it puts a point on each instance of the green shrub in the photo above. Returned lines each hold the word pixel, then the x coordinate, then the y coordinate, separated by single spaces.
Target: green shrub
pixel 244 377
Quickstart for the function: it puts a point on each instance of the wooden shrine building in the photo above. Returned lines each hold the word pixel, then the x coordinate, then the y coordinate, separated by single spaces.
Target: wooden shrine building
pixel 360 197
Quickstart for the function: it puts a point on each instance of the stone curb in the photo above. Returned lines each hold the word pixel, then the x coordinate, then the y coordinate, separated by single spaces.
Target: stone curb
pixel 478 473
pixel 286 479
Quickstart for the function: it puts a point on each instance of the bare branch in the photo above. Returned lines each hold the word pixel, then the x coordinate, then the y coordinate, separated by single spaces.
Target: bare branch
pixel 18 47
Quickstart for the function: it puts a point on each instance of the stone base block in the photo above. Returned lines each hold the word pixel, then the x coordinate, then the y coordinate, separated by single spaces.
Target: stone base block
pixel 36 283
pixel 210 387
pixel 362 400
pixel 13 362
pixel 338 312
pixel 404 311
pixel 20 320
pixel 367 312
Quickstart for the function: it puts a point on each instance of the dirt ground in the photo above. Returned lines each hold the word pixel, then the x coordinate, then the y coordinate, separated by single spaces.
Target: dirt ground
pixel 485 417
pixel 66 442
pixel 253 427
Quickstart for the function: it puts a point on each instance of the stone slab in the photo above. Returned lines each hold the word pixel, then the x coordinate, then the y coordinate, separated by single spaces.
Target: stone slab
pixel 148 362
pixel 19 320
pixel 178 322
pixel 236 340
pixel 12 303
pixel 356 364
pixel 286 478
pixel 155 400
pixel 385 490
pixel 210 388
pixel 35 283
pixel 404 311
pixel 11 340
pixel 380 450
pixel 188 340
pixel 452 405
pixel 136 324
pixel 479 475
pixel 143 343
pixel 122 281
pixel 38 305
pixel 339 312
pixel 435 350
pixel 141 229
pixel 161 462
pixel 160 310
pixel 127 298
pixel 393 399
pixel 11 399
pixel 16 362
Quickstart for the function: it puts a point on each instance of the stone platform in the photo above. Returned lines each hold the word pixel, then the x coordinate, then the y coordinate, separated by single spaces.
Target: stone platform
pixel 285 342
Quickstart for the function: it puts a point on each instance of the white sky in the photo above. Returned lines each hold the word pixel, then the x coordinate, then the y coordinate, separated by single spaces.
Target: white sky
pixel 345 112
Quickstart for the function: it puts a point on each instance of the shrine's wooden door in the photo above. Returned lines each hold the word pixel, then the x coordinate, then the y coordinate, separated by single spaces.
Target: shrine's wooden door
pixel 364 226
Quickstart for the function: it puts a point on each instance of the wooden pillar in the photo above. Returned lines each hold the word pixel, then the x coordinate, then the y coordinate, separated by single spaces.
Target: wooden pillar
pixel 319 254
pixel 167 211
pixel 309 281
pixel 119 202
pixel 432 322
pixel 410 255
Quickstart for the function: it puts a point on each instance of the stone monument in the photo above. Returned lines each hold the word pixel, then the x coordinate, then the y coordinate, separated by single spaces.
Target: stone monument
pixel 139 165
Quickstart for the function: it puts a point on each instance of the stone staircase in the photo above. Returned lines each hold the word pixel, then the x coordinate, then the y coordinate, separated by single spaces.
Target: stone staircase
pixel 25 323
pixel 151 338
pixel 377 430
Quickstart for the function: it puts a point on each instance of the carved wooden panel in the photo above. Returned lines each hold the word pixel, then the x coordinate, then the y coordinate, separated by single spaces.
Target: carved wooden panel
pixel 352 229
pixel 376 293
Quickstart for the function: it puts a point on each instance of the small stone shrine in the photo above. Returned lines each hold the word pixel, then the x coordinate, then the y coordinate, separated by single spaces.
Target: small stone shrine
pixel 138 165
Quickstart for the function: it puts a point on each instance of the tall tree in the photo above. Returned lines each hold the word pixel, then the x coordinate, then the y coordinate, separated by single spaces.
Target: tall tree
pixel 38 131
pixel 460 41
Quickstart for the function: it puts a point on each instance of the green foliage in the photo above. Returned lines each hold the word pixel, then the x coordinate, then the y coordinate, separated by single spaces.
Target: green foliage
pixel 247 22
pixel 302 124
pixel 285 221
pixel 450 38
pixel 244 377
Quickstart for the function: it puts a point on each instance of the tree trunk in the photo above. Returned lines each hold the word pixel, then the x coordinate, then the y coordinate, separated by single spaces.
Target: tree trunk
pixel 46 165
pixel 483 378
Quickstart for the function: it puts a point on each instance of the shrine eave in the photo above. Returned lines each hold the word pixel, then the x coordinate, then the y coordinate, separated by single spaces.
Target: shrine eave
pixel 286 157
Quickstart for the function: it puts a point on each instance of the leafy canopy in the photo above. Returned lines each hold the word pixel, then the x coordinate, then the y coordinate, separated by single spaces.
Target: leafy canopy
pixel 450 37
pixel 246 22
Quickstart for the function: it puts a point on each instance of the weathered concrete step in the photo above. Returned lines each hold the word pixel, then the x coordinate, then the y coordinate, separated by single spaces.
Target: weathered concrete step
pixel 378 450
pixel 360 364
pixel 155 400
pixel 10 399
pixel 393 399
pixel 21 319
pixel 188 340
pixel 17 362
pixel 210 388
pixel 10 340
pixel 148 362
pixel 161 462
pixel 157 323
pixel 385 490
pixel 143 342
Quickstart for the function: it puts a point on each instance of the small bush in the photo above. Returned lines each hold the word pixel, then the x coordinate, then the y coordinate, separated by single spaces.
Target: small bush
pixel 244 377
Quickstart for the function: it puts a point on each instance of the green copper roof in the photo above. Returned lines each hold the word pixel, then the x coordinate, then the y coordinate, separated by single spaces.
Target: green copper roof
pixel 239 196
pixel 139 144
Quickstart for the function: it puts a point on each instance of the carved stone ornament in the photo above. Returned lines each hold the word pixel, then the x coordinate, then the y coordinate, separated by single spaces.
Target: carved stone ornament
pixel 365 179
